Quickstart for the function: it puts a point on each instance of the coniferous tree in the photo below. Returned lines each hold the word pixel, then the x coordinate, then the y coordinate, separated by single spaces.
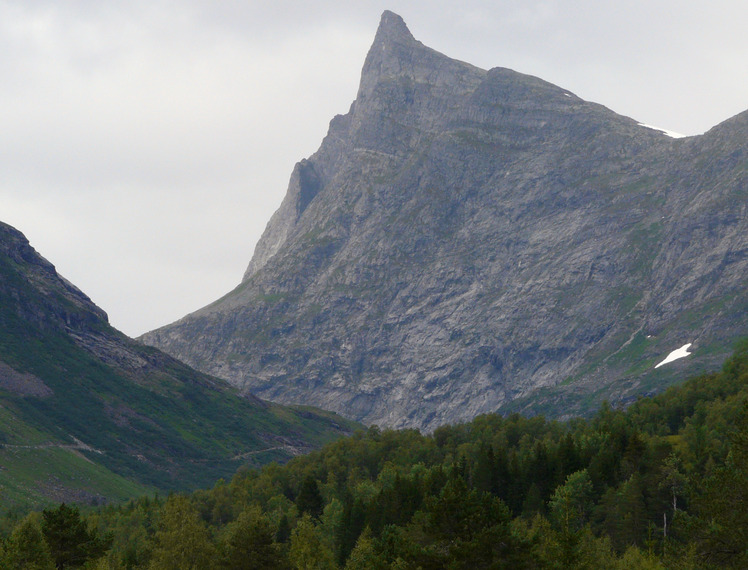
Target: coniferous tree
pixel 633 454
pixel 501 475
pixel 515 490
pixel 533 503
pixel 352 524
pixel 309 500
pixel 721 529
pixel 249 543
pixel 467 528
pixel 70 542
pixel 568 460
pixel 624 514
pixel 283 534
pixel 540 470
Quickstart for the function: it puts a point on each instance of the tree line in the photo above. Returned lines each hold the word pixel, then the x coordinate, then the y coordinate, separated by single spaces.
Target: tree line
pixel 663 484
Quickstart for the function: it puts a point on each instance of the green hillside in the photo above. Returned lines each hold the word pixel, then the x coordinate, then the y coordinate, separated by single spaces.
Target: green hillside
pixel 87 414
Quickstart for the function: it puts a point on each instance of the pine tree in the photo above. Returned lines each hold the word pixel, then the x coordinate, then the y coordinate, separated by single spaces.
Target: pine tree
pixel 624 513
pixel 721 529
pixel 568 460
pixel 70 542
pixel 283 534
pixel 309 499
pixel 484 472
pixel 249 543
pixel 352 523
pixel 533 503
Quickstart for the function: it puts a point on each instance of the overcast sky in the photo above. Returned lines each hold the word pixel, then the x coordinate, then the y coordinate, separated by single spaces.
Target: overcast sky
pixel 145 144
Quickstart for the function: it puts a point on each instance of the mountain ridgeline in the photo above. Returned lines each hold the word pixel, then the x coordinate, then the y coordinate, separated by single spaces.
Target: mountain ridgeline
pixel 89 415
pixel 466 241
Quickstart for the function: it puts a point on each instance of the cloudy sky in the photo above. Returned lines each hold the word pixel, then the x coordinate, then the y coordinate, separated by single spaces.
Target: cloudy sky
pixel 145 144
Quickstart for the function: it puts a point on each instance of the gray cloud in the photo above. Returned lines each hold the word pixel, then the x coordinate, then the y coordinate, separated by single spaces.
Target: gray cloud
pixel 144 145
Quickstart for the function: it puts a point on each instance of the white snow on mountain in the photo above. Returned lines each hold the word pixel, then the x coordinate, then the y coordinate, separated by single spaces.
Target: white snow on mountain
pixel 672 134
pixel 676 354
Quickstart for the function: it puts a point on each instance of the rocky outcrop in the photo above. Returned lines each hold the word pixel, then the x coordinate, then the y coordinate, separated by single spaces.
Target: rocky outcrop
pixel 62 305
pixel 466 241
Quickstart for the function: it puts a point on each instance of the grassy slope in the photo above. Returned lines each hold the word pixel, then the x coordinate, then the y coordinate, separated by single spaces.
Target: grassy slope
pixel 106 430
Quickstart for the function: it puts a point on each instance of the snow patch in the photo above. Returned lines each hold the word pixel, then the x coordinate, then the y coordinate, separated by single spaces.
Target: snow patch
pixel 671 134
pixel 676 354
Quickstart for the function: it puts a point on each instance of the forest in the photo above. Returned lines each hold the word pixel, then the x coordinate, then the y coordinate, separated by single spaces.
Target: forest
pixel 662 484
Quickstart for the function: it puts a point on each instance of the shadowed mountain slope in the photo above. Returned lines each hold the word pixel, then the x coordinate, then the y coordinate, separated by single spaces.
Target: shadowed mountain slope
pixel 87 414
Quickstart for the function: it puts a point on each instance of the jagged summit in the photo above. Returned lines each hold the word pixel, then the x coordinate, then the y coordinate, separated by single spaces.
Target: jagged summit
pixel 465 238
pixel 392 29
pixel 401 79
pixel 395 53
pixel 391 53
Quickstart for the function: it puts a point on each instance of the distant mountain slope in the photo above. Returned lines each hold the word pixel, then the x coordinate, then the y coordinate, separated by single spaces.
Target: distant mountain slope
pixel 467 240
pixel 88 414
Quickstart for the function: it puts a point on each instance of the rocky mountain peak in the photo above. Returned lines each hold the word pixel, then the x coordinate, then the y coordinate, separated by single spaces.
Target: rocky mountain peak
pixel 391 55
pixel 396 57
pixel 392 29
pixel 463 239
pixel 63 300
pixel 402 79
pixel 15 245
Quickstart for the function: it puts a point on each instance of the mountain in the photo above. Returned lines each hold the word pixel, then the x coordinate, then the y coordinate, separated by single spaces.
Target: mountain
pixel 87 414
pixel 466 241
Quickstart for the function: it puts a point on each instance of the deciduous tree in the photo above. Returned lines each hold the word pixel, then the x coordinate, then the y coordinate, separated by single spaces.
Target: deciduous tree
pixel 309 550
pixel 27 549
pixel 182 541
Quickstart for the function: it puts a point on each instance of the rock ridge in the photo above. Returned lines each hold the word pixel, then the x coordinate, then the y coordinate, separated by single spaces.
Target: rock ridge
pixel 466 241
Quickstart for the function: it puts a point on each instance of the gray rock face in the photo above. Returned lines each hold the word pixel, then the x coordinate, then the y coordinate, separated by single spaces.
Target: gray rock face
pixel 466 241
pixel 68 307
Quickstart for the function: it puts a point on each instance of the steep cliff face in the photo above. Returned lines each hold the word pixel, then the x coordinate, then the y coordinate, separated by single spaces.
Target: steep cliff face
pixel 466 241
